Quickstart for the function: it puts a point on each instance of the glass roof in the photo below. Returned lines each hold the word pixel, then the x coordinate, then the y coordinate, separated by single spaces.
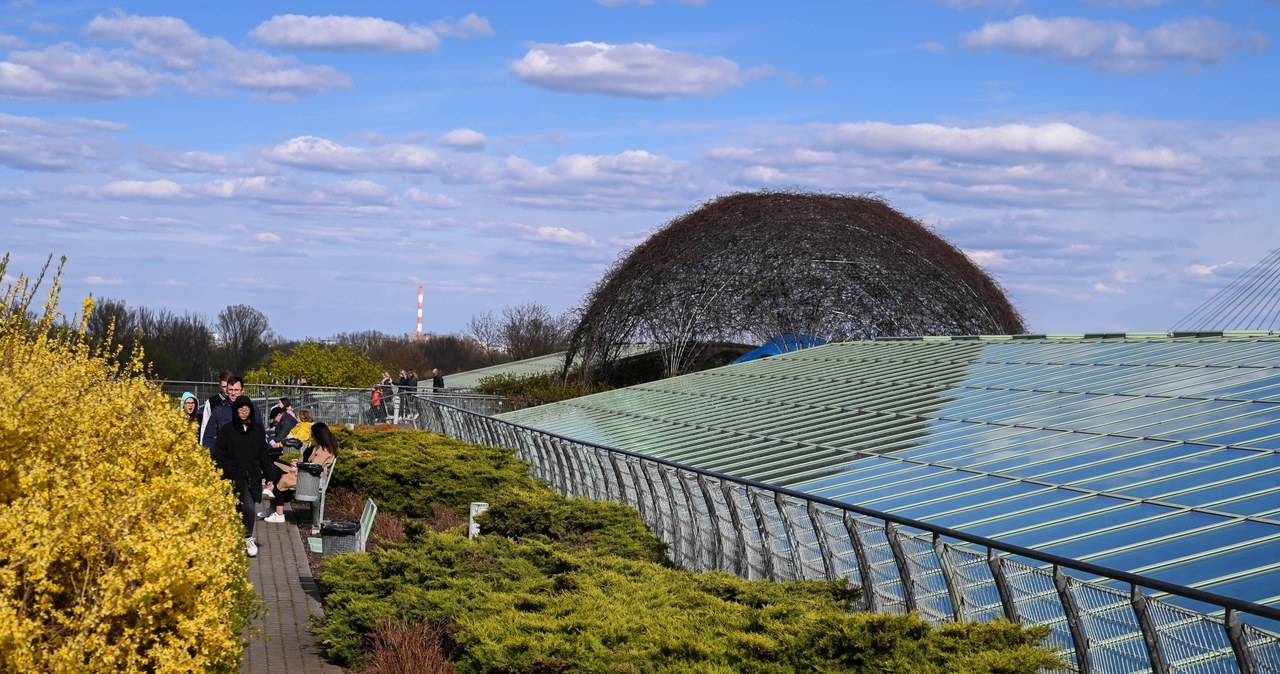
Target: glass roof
pixel 1156 455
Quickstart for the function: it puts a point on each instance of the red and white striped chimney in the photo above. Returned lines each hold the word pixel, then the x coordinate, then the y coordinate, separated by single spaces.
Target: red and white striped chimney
pixel 419 312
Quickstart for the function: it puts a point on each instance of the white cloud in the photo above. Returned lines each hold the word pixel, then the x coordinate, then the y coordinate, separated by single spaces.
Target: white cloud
pixel 1111 46
pixel 100 281
pixel 157 52
pixel 632 70
pixel 463 139
pixel 191 162
pixel 936 140
pixel 418 196
pixel 67 72
pixel 1107 290
pixel 33 144
pixel 345 33
pixel 267 237
pixel 140 189
pixel 322 154
pixel 559 236
pixel 468 26
pixel 628 180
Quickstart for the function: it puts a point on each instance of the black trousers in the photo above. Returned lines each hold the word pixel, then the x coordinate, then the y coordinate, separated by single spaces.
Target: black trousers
pixel 248 503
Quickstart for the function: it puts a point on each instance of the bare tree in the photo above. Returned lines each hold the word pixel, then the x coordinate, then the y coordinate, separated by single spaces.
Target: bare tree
pixel 763 264
pixel 530 329
pixel 487 331
pixel 244 332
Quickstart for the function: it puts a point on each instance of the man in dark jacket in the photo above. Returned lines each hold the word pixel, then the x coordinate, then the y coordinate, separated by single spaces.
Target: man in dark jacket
pixel 223 412
pixel 242 454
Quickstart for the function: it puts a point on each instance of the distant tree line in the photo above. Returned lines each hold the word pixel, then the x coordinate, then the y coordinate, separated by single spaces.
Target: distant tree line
pixel 191 347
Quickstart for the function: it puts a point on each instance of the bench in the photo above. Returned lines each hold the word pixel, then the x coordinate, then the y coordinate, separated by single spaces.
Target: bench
pixel 317 501
pixel 367 517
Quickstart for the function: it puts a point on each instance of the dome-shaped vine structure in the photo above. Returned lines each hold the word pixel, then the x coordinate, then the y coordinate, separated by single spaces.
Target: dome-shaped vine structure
pixel 751 266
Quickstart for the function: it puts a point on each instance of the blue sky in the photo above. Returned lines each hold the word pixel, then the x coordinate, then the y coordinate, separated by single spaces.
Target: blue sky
pixel 1111 162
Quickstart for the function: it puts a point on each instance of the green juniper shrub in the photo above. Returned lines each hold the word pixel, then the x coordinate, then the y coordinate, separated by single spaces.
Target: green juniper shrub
pixel 531 606
pixel 411 472
pixel 536 389
pixel 560 585
pixel 604 527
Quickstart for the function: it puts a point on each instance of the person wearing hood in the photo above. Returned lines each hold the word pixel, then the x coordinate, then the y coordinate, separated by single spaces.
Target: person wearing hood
pixel 241 452
pixel 191 407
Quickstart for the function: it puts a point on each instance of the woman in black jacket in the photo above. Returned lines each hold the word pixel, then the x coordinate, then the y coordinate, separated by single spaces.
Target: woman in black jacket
pixel 242 454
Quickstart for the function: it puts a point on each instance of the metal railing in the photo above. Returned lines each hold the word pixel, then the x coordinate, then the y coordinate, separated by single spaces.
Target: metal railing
pixel 1103 620
pixel 334 405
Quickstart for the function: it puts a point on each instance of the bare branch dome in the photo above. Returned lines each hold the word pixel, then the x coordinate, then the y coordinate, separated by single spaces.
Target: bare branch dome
pixel 751 266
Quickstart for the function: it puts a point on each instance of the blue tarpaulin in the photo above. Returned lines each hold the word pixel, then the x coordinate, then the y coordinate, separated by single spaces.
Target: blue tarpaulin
pixel 781 344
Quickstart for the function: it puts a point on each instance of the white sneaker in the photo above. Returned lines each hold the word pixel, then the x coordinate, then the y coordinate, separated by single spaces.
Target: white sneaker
pixel 266 513
pixel 250 546
pixel 274 518
pixel 267 493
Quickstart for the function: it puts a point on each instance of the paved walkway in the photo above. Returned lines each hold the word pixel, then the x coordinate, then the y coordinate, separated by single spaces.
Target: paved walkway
pixel 280 639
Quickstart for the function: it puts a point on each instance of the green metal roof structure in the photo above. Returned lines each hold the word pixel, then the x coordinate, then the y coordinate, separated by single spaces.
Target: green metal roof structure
pixel 1141 452
pixel 550 363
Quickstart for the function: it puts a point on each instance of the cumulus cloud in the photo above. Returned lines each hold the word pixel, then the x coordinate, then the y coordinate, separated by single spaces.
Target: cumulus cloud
pixel 631 179
pixel 1092 163
pixel 1112 46
pixel 157 53
pixel 346 33
pixel 417 196
pixel 631 70
pixel 322 154
pixel 100 281
pixel 32 144
pixel 169 161
pixel 560 236
pixel 987 141
pixel 463 139
pixel 469 26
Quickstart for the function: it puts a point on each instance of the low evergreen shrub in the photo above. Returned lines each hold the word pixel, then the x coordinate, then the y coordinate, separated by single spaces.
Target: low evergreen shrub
pixel 529 606
pixel 571 585
pixel 532 390
pixel 410 473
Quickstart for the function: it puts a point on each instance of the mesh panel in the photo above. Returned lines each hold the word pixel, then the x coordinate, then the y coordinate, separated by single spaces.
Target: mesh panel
pixel 1264 649
pixel 844 562
pixel 979 597
pixel 681 519
pixel 700 556
pixel 660 515
pixel 928 583
pixel 883 571
pixel 1192 642
pixel 1037 603
pixel 808 552
pixel 777 542
pixel 1111 627
pixel 752 564
pixel 727 554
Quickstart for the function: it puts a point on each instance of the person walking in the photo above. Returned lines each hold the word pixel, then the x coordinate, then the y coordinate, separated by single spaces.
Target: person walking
pixel 194 413
pixel 437 380
pixel 222 412
pixel 215 401
pixel 242 454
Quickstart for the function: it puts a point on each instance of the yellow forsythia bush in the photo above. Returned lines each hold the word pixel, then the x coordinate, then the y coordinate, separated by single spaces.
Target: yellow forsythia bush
pixel 120 546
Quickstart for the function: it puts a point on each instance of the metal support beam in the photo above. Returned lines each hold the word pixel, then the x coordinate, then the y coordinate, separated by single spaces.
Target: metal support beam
pixel 824 546
pixel 864 568
pixel 904 569
pixel 1155 650
pixel 1063 584
pixel 949 574
pixel 996 564
pixel 1239 644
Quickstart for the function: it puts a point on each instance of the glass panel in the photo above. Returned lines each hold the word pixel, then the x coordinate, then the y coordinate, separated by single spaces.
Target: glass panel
pixel 965 518
pixel 1010 489
pixel 1172 523
pixel 1188 543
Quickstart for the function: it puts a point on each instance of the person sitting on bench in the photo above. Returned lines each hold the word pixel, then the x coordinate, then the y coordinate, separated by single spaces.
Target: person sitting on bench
pixel 285 476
